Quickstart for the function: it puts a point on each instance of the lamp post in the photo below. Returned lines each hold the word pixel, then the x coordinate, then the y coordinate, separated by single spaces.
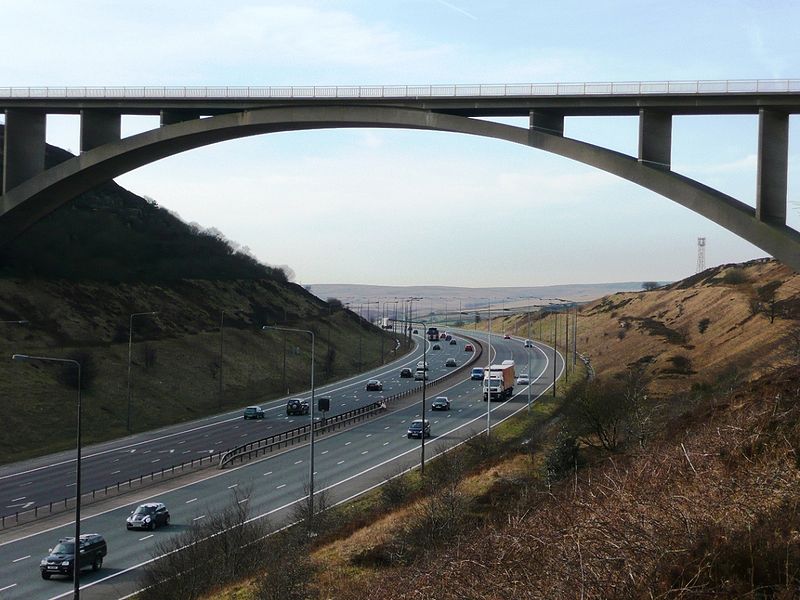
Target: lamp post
pixel 20 322
pixel 130 348
pixel 424 387
pixel 311 415
pixel 76 556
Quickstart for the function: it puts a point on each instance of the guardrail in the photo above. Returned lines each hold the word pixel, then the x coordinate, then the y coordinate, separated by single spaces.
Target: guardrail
pixel 638 88
pixel 291 436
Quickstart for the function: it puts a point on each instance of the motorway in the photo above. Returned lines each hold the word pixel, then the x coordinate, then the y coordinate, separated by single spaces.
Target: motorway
pixel 347 463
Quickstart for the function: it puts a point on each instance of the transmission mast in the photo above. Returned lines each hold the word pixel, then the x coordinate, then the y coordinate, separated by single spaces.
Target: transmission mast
pixel 701 254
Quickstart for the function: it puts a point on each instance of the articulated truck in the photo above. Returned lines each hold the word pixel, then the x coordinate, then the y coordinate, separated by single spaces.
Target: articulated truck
pixel 498 382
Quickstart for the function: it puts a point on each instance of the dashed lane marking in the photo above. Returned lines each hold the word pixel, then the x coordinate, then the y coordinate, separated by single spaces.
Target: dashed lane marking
pixel 147 537
pixel 20 558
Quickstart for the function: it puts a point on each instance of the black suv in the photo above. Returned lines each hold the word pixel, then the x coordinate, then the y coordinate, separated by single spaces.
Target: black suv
pixel 92 548
pixel 406 373
pixel 297 406
pixel 373 385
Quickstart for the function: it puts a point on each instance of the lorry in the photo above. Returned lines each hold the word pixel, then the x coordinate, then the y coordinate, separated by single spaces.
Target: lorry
pixel 386 323
pixel 433 334
pixel 498 382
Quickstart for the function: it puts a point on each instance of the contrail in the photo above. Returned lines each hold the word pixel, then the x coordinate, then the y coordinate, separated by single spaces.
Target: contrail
pixel 461 10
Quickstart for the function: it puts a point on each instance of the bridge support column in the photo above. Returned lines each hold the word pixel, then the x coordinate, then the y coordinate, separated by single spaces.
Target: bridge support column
pixel 773 166
pixel 547 122
pixel 24 146
pixel 655 138
pixel 168 117
pixel 99 127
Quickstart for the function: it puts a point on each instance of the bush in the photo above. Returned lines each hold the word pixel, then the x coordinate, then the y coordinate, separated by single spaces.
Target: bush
pixel 563 458
pixel 703 325
pixel 735 276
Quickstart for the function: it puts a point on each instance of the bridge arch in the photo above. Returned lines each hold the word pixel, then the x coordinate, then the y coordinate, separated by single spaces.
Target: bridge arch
pixel 33 199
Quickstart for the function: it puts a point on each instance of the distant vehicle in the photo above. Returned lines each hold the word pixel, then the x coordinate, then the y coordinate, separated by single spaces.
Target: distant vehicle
pixel 436 347
pixel 433 334
pixel 448 337
pixel 477 373
pixel 373 385
pixel 528 344
pixel 406 373
pixel 469 348
pixel 441 403
pixel 60 560
pixel 451 362
pixel 415 331
pixel 386 323
pixel 506 337
pixel 148 516
pixel 523 379
pixel 297 406
pixel 453 342
pixel 443 336
pixel 417 429
pixel 253 412
pixel 420 375
pixel 423 364
pixel 498 383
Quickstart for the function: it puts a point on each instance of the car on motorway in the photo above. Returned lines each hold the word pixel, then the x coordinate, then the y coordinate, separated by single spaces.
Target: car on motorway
pixel 297 406
pixel 417 429
pixel 440 403
pixel 528 344
pixel 423 364
pixel 451 362
pixel 477 373
pixel 453 342
pixel 448 337
pixel 523 379
pixel 415 331
pixel 148 516
pixel 373 385
pixel 469 348
pixel 436 347
pixel 253 412
pixel 406 373
pixel 60 560
pixel 506 337
pixel 420 375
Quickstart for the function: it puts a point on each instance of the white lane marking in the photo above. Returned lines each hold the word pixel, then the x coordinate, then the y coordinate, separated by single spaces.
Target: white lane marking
pixel 283 485
pixel 190 501
pixel 198 518
pixel 387 427
pixel 70 484
pixel 146 451
pixel 182 442
pixel 385 443
pixel 297 462
pixel 155 461
pixel 267 473
pixel 369 435
pixel 22 485
pixel 347 443
pixel 20 558
pixel 147 537
pixel 341 462
pixel 325 451
pixel 186 452
pixel 230 487
pixel 115 472
pixel 243 500
pixel 365 451
pixel 18 499
pixel 219 442
pixel 8 587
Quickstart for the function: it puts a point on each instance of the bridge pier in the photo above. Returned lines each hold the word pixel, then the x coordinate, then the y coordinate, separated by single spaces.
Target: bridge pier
pixel 655 138
pixel 99 127
pixel 23 147
pixel 773 166
pixel 547 122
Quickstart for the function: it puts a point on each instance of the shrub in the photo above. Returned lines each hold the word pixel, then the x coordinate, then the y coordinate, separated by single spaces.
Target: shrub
pixel 735 276
pixel 703 325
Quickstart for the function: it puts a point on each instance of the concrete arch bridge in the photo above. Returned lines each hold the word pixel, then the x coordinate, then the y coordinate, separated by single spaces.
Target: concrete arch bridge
pixel 197 116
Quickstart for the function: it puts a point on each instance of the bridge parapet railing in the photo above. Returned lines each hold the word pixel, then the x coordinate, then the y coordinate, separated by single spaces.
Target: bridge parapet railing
pixel 634 88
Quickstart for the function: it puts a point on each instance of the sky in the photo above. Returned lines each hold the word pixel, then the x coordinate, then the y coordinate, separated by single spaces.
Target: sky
pixel 397 207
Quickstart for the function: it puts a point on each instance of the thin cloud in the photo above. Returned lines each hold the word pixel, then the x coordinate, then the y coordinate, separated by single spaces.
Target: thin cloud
pixel 457 9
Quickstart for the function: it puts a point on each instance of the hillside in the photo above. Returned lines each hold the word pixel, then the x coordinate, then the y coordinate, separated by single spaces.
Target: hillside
pixel 76 278
pixel 698 500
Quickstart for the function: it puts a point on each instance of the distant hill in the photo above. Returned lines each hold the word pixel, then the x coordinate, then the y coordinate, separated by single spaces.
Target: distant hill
pixel 111 234
pixel 436 295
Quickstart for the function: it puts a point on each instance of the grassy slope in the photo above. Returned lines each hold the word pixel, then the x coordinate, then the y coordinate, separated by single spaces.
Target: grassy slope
pixel 706 508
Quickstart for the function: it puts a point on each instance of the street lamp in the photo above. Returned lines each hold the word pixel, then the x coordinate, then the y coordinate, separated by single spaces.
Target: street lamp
pixel 130 348
pixel 76 556
pixel 424 386
pixel 20 322
pixel 311 414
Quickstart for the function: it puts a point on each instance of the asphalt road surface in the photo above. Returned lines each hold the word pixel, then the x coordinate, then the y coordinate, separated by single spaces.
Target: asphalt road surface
pixel 347 463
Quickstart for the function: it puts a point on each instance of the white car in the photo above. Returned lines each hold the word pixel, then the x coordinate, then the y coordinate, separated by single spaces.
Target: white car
pixel 528 344
pixel 422 365
pixel 523 379
pixel 420 375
